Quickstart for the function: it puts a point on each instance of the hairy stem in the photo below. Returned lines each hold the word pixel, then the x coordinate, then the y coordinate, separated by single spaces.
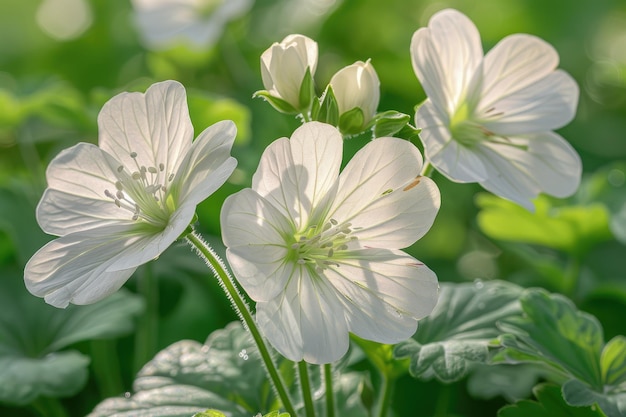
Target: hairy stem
pixel 226 282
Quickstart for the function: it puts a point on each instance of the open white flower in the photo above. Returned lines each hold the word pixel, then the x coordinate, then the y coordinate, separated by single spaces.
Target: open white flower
pixel 197 23
pixel 319 250
pixel 489 119
pixel 121 204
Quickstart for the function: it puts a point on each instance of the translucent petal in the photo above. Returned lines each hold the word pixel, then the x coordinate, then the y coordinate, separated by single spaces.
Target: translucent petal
pixel 306 321
pixel 295 175
pixel 445 56
pixel 254 232
pixel 549 165
pixel 75 199
pixel 455 161
pixel 547 104
pixel 208 164
pixel 380 192
pixel 384 293
pixel 72 268
pixel 515 63
pixel 154 125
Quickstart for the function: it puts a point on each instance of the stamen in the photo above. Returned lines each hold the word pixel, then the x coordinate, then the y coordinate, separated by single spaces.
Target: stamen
pixel 133 155
pixel 152 170
pixel 161 167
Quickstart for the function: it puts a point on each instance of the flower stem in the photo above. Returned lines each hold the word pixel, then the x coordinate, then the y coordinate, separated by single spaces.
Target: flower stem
pixel 330 394
pixel 223 276
pixel 147 328
pixel 303 372
pixel 386 390
pixel 105 364
pixel 427 170
pixel 571 276
pixel 49 407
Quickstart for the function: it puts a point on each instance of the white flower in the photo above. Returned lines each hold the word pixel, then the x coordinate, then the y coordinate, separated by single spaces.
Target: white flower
pixel 121 204
pixel 284 65
pixel 490 119
pixel 320 251
pixel 198 23
pixel 357 86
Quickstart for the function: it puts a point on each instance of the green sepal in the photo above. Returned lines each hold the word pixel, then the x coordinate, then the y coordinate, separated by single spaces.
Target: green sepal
pixel 329 111
pixel 307 91
pixel 276 102
pixel 351 122
pixel 389 123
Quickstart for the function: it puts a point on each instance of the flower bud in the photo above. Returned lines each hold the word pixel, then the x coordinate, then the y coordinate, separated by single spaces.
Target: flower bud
pixel 357 86
pixel 284 66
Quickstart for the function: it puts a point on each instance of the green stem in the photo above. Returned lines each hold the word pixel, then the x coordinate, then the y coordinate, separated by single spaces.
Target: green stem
pixel 303 372
pixel 330 394
pixel 105 364
pixel 443 401
pixel 427 170
pixel 49 407
pixel 147 328
pixel 305 117
pixel 221 273
pixel 386 390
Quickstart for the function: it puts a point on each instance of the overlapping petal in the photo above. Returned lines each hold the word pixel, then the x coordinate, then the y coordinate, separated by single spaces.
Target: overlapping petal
pixel 379 191
pixel 254 232
pixel 549 164
pixel 208 163
pixel 295 175
pixel 445 56
pixel 75 199
pixel 155 125
pixel 73 268
pixel 305 322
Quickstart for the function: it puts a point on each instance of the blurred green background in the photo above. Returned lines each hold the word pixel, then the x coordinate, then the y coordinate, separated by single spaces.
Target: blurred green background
pixel 60 60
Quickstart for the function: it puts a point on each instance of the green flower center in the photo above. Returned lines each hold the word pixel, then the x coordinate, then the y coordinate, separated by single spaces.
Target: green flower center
pixel 319 247
pixel 144 193
pixel 465 130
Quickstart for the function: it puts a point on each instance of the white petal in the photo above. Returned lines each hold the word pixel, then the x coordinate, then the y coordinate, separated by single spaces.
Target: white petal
pixel 253 230
pixel 208 164
pixel 295 175
pixel 75 199
pixel 155 125
pixel 385 293
pixel 455 161
pixel 549 165
pixel 516 62
pixel 306 321
pixel 546 104
pixel 72 268
pixel 379 192
pixel 445 56
pixel 154 241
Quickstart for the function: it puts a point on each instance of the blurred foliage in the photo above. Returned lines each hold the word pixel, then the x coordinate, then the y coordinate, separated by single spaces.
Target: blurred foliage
pixel 51 89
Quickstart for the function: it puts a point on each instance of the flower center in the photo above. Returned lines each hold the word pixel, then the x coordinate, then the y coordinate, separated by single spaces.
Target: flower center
pixel 144 193
pixel 319 247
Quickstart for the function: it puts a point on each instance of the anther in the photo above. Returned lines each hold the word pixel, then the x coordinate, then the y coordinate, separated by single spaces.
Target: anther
pixel 120 168
pixel 327 226
pixel 334 222
pixel 161 167
pixel 108 194
pixel 119 195
pixel 118 185
pixel 152 170
pixel 171 177
pixel 133 155
pixel 136 175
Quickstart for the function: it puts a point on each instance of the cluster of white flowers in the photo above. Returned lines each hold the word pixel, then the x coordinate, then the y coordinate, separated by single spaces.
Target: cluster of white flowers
pixel 318 250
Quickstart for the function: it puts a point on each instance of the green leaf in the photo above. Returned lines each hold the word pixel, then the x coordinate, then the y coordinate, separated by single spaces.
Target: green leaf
pixel 579 394
pixel 460 329
pixel 278 103
pixel 276 414
pixel 32 333
pixel 389 123
pixel 210 413
pixel 307 91
pixel 513 382
pixel 351 122
pixel 549 404
pixel 553 332
pixel 613 361
pixel 608 187
pixel 23 379
pixel 206 109
pixel 225 373
pixel 329 111
pixel 572 229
